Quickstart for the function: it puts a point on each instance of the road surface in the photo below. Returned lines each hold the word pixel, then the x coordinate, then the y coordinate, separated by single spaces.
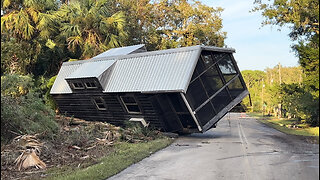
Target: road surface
pixel 239 148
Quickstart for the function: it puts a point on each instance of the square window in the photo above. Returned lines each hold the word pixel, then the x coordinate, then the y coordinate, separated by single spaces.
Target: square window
pixel 130 104
pixel 90 85
pixel 77 85
pixel 226 65
pixel 100 103
pixel 207 59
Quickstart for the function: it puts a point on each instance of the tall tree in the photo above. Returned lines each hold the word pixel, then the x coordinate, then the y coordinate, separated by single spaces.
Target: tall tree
pixel 302 16
pixel 89 28
pixel 27 27
pixel 164 24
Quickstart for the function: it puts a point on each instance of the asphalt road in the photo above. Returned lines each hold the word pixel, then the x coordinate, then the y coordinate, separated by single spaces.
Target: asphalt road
pixel 239 148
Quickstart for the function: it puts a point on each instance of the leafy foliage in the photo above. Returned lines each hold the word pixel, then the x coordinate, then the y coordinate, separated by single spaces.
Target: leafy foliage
pixel 301 15
pixel 268 94
pixel 38 35
pixel 22 111
pixel 164 24
pixel 303 18
pixel 89 28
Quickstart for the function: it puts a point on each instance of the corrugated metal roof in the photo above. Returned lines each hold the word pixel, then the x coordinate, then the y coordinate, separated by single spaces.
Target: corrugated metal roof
pixel 155 71
pixel 92 69
pixel 121 51
pixel 60 85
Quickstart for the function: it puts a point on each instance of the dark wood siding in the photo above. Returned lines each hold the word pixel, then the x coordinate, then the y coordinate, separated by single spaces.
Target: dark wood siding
pixel 81 105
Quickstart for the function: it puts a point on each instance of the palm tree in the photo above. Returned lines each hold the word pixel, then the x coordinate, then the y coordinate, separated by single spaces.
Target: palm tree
pixel 27 27
pixel 28 19
pixel 89 29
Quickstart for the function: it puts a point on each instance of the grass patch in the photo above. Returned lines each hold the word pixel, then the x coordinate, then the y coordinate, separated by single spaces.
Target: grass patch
pixel 124 155
pixel 288 126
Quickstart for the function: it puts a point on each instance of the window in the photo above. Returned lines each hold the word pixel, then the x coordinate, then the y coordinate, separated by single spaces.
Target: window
pixel 77 85
pixel 130 104
pixel 100 104
pixel 91 85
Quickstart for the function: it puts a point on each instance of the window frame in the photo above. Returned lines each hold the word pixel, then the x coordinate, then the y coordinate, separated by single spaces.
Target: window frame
pixel 91 87
pixel 78 82
pixel 97 104
pixel 130 104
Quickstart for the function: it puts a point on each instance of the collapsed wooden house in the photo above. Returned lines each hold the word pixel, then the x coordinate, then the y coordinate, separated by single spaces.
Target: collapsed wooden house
pixel 174 90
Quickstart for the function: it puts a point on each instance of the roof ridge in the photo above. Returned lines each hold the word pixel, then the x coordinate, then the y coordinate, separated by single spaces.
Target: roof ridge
pixel 122 57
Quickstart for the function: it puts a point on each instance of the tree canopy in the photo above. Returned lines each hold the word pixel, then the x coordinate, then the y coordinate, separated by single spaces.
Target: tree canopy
pixel 302 16
pixel 38 35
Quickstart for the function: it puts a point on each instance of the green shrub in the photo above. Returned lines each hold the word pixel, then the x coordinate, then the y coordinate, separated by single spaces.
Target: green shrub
pixel 22 111
pixel 44 86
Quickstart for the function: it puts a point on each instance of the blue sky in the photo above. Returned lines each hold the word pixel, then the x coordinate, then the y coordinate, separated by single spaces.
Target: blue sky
pixel 256 47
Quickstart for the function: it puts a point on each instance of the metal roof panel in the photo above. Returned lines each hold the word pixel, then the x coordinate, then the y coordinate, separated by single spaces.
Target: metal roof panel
pixel 121 51
pixel 91 69
pixel 153 73
pixel 156 71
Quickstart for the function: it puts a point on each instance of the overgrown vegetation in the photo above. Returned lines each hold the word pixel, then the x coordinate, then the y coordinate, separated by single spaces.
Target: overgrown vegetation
pixel 37 36
pixel 22 110
pixel 82 149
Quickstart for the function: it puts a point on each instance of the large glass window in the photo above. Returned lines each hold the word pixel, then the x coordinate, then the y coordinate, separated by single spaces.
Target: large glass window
pixel 227 68
pixel 130 104
pixel 206 113
pixel 221 100
pixel 211 80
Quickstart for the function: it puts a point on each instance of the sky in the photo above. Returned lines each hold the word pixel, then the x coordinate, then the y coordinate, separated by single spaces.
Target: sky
pixel 257 47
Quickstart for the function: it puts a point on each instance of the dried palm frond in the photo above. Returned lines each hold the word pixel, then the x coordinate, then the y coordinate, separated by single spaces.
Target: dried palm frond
pixel 29 158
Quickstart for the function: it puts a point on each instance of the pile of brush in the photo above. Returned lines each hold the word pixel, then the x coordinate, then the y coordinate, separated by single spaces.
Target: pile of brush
pixel 29 148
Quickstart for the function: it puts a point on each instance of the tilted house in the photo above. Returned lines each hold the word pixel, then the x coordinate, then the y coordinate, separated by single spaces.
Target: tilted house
pixel 188 88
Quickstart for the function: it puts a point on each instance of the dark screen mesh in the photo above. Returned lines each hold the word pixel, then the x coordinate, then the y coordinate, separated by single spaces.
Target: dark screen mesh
pixel 196 94
pixel 205 114
pixel 235 88
pixel 221 100
pixel 227 68
pixel 211 80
